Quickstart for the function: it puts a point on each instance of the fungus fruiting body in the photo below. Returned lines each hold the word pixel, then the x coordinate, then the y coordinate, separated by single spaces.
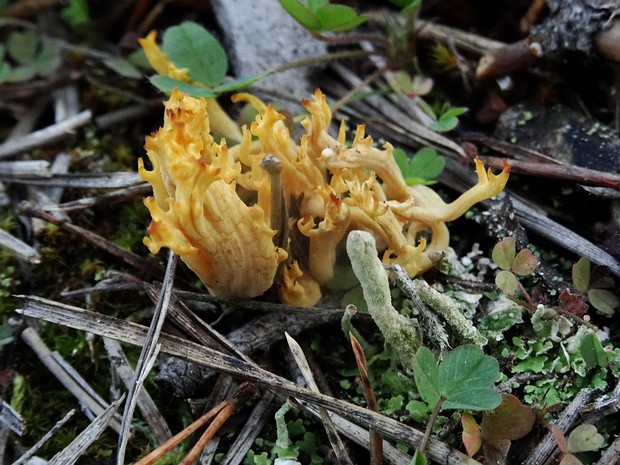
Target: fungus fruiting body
pixel 212 204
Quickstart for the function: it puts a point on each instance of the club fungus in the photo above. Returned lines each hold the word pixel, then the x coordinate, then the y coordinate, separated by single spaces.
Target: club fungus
pixel 220 210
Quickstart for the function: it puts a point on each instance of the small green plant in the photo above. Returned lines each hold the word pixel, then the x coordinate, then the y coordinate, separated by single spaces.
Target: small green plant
pixel 24 57
pixel 321 16
pixel 191 46
pixel 462 381
pixel 512 264
pixel 597 291
pixel 423 167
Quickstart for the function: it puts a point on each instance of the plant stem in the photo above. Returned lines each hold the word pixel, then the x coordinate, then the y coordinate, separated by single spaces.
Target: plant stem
pixel 429 426
pixel 341 39
pixel 349 95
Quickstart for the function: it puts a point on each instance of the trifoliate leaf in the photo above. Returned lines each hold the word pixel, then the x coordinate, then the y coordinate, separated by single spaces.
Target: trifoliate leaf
pixel 426 164
pixel 22 46
pixel 301 14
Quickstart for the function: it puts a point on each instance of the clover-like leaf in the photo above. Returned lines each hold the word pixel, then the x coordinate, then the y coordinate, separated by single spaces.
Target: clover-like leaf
pixel 301 14
pixel 603 300
pixel 507 282
pixel 504 253
pixel 422 168
pixel 584 438
pixel 191 46
pixel 581 274
pixel 510 420
pixel 22 46
pixel 524 263
pixel 466 378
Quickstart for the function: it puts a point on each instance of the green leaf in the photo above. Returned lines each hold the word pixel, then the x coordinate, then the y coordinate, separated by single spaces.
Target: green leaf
pixel 592 350
pixel 22 73
pixel 453 112
pixel 426 164
pixel 123 67
pixel 191 46
pixel 603 300
pixel 444 124
pixel 49 59
pixel 22 46
pixel 426 375
pixel 338 18
pixel 584 438
pixel 504 253
pixel 166 84
pixel 76 13
pixel 316 4
pixel 240 83
pixel 581 274
pixel 5 71
pixel 466 377
pixel 524 263
pixel 418 458
pixel 402 161
pixel 301 14
pixel 507 282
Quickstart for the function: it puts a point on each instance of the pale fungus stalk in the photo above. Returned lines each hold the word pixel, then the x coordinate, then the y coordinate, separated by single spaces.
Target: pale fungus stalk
pixel 399 332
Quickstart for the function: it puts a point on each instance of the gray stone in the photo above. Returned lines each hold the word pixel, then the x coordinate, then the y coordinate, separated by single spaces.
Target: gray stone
pixel 260 36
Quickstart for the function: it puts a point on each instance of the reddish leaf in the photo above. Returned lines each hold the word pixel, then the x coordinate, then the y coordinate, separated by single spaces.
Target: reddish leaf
pixel 504 253
pixel 524 263
pixel 570 459
pixel 572 303
pixel 510 420
pixel 559 437
pixel 472 439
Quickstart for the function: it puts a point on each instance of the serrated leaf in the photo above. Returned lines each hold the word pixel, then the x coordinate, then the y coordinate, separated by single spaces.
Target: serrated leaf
pixel 507 282
pixel 166 84
pixel 471 436
pixel 524 263
pixel 584 438
pixel 338 18
pixel 426 375
pixel 466 377
pixel 426 164
pixel 581 274
pixel 592 350
pixel 301 14
pixel 510 420
pixel 603 300
pixel 22 46
pixel 191 46
pixel 504 253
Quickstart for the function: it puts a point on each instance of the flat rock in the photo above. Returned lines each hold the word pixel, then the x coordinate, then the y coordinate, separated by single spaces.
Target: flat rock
pixel 260 36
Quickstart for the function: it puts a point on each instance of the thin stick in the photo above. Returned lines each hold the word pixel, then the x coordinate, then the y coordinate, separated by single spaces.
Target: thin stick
pixel 30 452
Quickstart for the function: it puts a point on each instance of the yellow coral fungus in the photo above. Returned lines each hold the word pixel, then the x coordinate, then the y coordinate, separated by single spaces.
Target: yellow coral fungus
pixel 212 205
pixel 196 211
